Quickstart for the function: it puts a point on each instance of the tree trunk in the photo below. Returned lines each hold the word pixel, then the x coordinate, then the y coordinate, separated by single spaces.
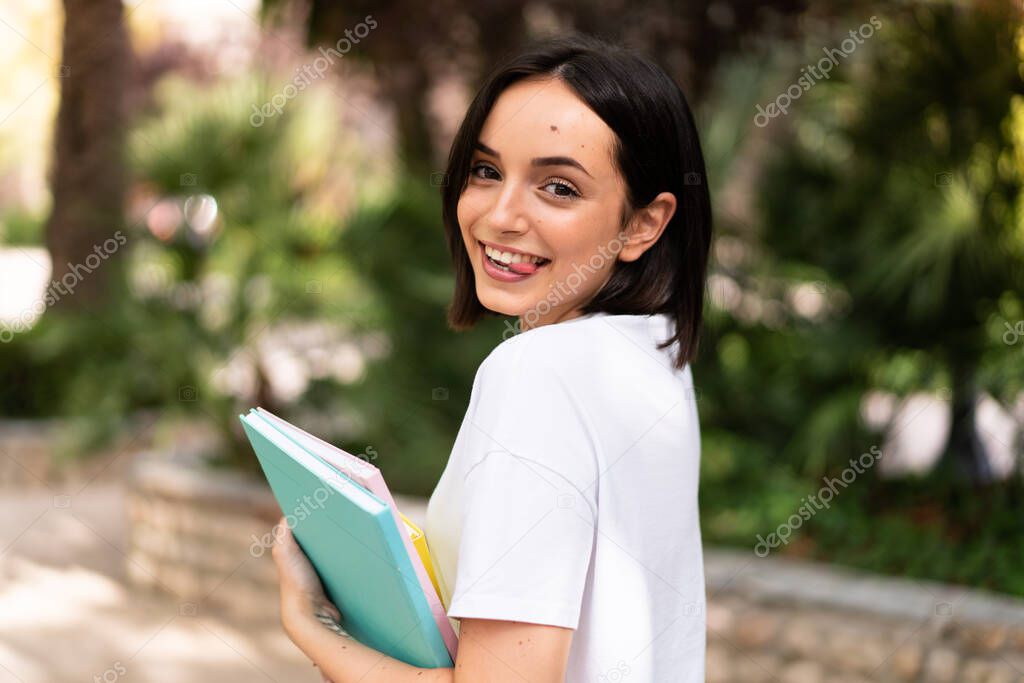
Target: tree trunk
pixel 88 175
pixel 965 449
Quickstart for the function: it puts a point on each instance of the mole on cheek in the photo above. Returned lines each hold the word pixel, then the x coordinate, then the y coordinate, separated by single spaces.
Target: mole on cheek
pixel 554 128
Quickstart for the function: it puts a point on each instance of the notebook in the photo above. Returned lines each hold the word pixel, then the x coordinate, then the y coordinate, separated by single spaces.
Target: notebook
pixel 419 541
pixel 357 543
pixel 371 478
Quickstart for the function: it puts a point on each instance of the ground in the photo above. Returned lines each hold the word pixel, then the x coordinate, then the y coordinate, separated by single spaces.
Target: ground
pixel 68 614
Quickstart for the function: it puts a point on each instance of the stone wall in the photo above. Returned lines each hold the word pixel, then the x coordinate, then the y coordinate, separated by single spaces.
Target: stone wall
pixel 34 453
pixel 205 538
pixel 780 620
pixel 202 536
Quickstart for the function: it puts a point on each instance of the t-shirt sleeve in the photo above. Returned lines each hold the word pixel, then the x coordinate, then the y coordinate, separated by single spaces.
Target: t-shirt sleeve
pixel 529 500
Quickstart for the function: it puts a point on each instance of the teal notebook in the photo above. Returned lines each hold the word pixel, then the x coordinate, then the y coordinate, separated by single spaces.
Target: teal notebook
pixel 350 537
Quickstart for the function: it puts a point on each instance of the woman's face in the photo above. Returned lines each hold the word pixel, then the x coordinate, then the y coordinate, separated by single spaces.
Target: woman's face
pixel 543 185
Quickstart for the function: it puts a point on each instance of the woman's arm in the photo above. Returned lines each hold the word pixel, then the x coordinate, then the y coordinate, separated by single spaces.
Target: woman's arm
pixel 342 659
pixel 490 651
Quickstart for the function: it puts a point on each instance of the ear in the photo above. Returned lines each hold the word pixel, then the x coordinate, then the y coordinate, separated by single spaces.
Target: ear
pixel 646 226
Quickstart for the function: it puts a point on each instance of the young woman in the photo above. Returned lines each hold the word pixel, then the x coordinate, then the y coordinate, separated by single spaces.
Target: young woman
pixel 564 529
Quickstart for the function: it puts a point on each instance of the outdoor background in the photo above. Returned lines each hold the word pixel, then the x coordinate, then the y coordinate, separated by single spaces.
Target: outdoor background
pixel 208 206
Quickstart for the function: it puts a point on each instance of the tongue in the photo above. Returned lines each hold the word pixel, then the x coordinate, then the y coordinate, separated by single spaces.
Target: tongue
pixel 523 267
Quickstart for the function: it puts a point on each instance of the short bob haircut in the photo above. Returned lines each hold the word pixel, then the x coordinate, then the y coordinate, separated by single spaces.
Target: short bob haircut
pixel 656 150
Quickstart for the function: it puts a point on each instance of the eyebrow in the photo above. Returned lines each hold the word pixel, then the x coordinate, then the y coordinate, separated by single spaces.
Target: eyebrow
pixel 539 161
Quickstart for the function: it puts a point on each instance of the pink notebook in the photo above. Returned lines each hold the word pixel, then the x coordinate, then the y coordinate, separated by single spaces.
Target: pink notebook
pixel 370 478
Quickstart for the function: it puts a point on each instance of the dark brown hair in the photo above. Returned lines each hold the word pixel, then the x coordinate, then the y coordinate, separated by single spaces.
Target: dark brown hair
pixel 656 149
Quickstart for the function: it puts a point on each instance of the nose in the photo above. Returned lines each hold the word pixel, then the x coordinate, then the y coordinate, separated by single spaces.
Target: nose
pixel 507 214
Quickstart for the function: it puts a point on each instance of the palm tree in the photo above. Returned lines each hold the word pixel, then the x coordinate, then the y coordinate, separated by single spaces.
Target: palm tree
pixel 88 176
pixel 909 193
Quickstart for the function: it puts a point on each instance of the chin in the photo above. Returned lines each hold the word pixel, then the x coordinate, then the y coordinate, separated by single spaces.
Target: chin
pixel 504 303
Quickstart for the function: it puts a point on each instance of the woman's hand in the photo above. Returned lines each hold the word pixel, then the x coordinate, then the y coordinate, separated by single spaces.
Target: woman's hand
pixel 302 595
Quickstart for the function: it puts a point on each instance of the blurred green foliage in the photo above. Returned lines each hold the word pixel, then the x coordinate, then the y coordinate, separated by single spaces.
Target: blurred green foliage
pixel 283 251
pixel 883 252
pixel 415 398
pixel 231 238
pixel 890 200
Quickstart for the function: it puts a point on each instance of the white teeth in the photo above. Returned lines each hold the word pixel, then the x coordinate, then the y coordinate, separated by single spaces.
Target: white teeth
pixel 510 257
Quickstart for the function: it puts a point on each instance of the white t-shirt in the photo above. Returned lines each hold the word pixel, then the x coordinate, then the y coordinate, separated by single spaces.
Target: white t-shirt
pixel 570 498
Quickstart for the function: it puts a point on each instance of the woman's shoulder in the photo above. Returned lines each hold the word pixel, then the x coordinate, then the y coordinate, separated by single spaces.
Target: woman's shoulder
pixel 582 348
pixel 546 348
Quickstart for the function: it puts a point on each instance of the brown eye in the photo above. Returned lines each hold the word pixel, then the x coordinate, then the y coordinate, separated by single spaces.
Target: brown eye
pixel 485 167
pixel 563 190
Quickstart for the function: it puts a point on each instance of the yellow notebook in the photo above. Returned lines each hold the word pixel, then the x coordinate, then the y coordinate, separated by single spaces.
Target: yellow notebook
pixel 419 541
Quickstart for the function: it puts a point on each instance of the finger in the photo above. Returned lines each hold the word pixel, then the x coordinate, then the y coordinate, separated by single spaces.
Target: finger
pixel 284 542
pixel 283 534
pixel 280 529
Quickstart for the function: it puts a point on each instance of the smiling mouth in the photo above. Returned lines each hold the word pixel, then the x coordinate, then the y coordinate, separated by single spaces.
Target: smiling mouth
pixel 527 266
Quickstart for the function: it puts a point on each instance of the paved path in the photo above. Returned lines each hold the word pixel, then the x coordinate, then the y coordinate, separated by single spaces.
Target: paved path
pixel 67 613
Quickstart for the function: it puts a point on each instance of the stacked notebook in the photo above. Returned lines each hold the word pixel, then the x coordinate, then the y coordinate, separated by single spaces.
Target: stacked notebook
pixel 373 562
